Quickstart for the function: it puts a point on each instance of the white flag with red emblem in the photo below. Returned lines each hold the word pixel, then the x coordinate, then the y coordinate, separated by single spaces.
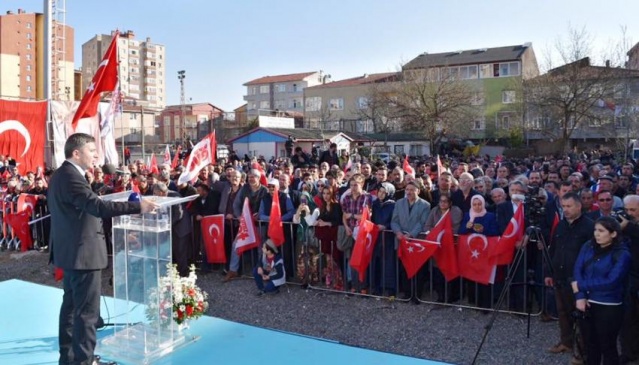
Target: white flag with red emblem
pixel 246 238
pixel 105 79
pixel 200 157
pixel 167 154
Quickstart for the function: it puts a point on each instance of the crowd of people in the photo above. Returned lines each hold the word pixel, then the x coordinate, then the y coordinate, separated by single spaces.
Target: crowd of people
pixel 589 224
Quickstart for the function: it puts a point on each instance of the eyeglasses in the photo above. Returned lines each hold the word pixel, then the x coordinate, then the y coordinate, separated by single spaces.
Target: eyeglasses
pixel 605 200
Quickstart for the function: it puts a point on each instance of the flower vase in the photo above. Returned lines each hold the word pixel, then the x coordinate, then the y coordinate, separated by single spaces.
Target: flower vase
pixel 182 327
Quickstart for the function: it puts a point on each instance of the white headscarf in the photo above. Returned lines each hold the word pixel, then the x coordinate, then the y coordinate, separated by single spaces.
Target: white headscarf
pixel 474 214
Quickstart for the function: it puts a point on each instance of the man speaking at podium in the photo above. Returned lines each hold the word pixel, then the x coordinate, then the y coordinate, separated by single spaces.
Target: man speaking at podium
pixel 78 247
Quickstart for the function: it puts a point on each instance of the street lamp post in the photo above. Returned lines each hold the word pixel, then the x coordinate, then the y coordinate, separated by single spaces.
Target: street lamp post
pixel 181 76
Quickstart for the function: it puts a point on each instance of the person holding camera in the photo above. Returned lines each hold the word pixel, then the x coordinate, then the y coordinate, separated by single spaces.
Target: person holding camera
pixel 629 335
pixel 599 285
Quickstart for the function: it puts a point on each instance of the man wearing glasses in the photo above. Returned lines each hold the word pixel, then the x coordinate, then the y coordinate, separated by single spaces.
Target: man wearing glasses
pixel 629 335
pixel 605 202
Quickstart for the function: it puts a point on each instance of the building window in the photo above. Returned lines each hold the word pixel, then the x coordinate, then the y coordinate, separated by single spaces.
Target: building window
pixel 28 78
pixel 313 103
pixel 508 96
pixel 29 25
pixel 28 67
pixel 415 150
pixel 264 89
pixel 28 57
pixel 295 88
pixel 28 45
pixel 468 72
pixel 280 88
pixel 265 104
pixel 503 121
pixel 398 149
pixel 506 69
pixel 336 104
pixel 28 35
pixel 362 102
pixel 280 104
pixel 28 89
pixel 295 103
pixel 485 71
pixel 133 116
pixel 478 124
pixel 477 99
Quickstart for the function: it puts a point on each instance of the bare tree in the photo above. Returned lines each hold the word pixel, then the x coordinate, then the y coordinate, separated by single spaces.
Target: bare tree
pixel 574 95
pixel 377 109
pixel 433 102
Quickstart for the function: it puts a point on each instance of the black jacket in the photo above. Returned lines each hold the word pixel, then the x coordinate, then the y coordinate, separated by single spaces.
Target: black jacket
pixel 566 244
pixel 77 236
pixel 631 232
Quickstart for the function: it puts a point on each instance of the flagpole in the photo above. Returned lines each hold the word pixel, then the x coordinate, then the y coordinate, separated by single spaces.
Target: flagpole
pixel 117 34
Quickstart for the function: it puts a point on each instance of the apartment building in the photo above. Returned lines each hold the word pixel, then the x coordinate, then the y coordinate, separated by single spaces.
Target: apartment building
pixel 268 94
pixel 142 67
pixel 177 122
pixel 22 57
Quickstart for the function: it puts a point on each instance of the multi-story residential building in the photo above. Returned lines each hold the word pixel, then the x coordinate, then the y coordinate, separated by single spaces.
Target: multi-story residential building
pixel 342 105
pixel 268 94
pixel 142 67
pixel 495 75
pixel 22 57
pixel 179 122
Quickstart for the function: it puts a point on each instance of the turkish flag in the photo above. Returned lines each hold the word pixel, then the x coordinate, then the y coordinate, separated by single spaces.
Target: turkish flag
pixel 213 237
pixel 555 222
pixel 407 167
pixel 364 245
pixel 474 258
pixel 275 227
pixel 246 238
pixel 414 253
pixel 22 132
pixel 154 164
pixel 26 201
pixel 105 79
pixel 167 154
pixel 446 256
pixel 176 158
pixel 505 248
pixel 440 167
pixel 259 168
pixel 201 156
pixel 19 222
pixel 135 187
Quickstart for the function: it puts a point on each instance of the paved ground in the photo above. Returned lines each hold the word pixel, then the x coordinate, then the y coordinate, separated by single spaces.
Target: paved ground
pixel 424 331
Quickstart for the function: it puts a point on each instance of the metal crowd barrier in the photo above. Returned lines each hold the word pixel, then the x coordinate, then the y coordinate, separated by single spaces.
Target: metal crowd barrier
pixel 39 230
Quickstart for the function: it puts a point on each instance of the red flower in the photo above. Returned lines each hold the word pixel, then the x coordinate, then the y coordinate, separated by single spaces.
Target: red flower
pixel 191 292
pixel 189 310
pixel 180 314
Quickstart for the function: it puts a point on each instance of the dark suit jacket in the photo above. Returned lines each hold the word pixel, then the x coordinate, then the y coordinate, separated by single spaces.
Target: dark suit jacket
pixel 180 217
pixel 504 212
pixel 77 236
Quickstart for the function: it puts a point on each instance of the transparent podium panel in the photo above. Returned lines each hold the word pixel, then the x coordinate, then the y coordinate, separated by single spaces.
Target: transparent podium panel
pixel 142 305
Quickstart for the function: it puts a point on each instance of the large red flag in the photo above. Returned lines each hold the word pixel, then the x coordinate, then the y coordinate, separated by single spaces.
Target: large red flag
pixel 213 237
pixel 246 238
pixel 154 164
pixel 19 222
pixel 446 256
pixel 22 132
pixel 201 156
pixel 407 167
pixel 414 253
pixel 27 201
pixel 504 249
pixel 176 158
pixel 275 227
pixel 475 262
pixel 105 79
pixel 364 245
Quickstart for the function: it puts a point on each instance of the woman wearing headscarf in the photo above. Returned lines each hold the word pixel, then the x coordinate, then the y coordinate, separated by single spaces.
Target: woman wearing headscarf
pixel 384 263
pixel 600 275
pixel 306 217
pixel 478 220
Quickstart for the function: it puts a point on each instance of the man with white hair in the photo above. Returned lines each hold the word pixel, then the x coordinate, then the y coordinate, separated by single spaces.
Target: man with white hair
pixel 461 197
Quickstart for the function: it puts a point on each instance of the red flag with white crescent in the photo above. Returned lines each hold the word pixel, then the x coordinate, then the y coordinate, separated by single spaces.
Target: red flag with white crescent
pixel 213 237
pixel 23 132
pixel 446 256
pixel 105 79
pixel 246 238
pixel 504 250
pixel 414 253
pixel 26 201
pixel 154 164
pixel 275 227
pixel 176 158
pixel 474 260
pixel 364 245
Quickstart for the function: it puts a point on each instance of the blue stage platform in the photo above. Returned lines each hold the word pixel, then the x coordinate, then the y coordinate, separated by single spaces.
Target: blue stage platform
pixel 29 335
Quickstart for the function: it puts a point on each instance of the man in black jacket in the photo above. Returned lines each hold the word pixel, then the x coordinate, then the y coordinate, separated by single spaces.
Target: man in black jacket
pixel 330 156
pixel 571 233
pixel 78 246
pixel 629 335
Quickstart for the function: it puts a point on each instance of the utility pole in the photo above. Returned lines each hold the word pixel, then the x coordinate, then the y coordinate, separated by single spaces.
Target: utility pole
pixel 143 133
pixel 181 76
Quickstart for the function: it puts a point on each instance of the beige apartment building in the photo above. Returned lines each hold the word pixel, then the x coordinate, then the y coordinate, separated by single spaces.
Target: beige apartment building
pixel 142 67
pixel 22 57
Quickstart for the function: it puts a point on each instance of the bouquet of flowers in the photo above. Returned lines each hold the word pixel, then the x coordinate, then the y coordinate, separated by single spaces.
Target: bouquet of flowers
pixel 177 298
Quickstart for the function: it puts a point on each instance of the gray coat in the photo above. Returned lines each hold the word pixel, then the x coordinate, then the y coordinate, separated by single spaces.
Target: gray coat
pixel 412 222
